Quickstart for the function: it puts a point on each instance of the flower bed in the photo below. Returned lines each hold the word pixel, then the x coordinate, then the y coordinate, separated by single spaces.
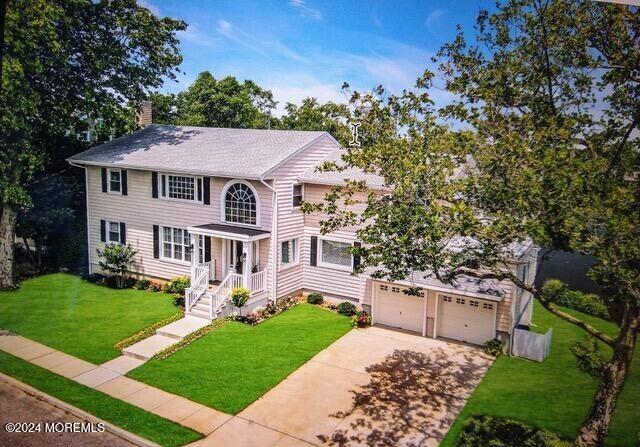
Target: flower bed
pixel 166 352
pixel 271 310
pixel 359 318
pixel 147 332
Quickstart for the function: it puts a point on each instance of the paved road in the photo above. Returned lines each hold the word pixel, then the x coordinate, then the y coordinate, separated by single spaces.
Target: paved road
pixel 18 406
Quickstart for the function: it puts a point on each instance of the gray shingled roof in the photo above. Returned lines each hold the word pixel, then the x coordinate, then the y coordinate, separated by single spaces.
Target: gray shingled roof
pixel 247 153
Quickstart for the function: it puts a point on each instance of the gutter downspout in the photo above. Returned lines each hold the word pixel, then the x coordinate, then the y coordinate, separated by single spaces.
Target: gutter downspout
pixel 274 238
pixel 86 192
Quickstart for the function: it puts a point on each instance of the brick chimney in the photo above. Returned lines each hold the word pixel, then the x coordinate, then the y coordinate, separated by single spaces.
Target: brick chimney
pixel 143 116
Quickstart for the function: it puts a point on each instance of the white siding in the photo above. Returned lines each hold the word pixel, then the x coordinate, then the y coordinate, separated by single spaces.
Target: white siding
pixel 140 212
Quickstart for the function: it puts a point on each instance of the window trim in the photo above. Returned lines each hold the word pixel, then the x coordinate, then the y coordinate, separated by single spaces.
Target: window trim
pixel 107 224
pixel 109 190
pixel 293 195
pixel 287 265
pixel 162 242
pixel 329 265
pixel 223 204
pixel 163 187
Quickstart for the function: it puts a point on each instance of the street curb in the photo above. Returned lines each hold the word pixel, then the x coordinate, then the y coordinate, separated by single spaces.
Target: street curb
pixel 111 428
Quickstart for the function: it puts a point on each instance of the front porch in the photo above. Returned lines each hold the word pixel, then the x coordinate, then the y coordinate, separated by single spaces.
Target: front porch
pixel 225 257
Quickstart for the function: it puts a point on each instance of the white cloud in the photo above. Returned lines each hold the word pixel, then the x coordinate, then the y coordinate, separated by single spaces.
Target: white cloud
pixel 295 94
pixel 195 35
pixel 304 10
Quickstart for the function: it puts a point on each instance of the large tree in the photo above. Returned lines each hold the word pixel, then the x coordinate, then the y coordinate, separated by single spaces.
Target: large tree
pixel 64 61
pixel 550 95
pixel 311 115
pixel 224 103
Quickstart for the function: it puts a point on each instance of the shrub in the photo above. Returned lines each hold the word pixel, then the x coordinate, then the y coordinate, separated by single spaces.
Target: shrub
pixel 239 297
pixel 500 432
pixel 95 278
pixel 178 284
pixel 588 303
pixel 493 347
pixel 143 284
pixel 129 283
pixel 178 301
pixel 346 308
pixel 315 298
pixel 155 287
pixel 360 319
pixel 589 357
pixel 116 259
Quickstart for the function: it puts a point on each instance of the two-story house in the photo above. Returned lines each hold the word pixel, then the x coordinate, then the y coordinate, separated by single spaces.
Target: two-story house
pixel 223 207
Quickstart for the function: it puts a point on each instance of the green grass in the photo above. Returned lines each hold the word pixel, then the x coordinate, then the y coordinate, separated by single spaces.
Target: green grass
pixel 237 363
pixel 85 320
pixel 129 417
pixel 554 394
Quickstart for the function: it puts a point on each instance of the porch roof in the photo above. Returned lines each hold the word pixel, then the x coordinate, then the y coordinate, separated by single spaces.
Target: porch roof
pixel 230 232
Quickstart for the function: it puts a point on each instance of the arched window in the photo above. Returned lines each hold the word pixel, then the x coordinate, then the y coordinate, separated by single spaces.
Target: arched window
pixel 240 204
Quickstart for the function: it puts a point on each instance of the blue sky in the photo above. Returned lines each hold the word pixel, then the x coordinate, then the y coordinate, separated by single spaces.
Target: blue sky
pixel 302 48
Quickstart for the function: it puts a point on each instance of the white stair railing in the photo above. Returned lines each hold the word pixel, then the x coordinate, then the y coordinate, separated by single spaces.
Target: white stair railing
pixel 198 286
pixel 221 294
pixel 258 282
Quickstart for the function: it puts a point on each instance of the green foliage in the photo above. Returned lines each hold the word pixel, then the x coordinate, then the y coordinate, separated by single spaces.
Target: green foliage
pixel 117 259
pixel 311 115
pixel 177 285
pixel 588 303
pixel 164 108
pixel 360 319
pixel 315 298
pixel 143 284
pixel 95 278
pixel 493 347
pixel 224 103
pixel 589 357
pixel 500 432
pixel 239 296
pixel 346 308
pixel 271 310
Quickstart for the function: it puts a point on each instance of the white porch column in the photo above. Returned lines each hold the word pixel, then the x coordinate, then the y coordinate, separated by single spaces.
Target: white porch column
pixel 248 255
pixel 195 244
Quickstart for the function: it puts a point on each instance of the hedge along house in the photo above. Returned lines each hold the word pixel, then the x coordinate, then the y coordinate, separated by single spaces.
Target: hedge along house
pixel 222 206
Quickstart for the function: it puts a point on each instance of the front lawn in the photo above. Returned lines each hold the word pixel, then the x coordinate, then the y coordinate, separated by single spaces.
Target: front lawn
pixel 555 394
pixel 236 364
pixel 85 320
pixel 122 414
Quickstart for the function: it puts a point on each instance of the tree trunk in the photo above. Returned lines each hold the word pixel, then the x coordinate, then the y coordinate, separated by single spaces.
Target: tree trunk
pixel 595 428
pixel 7 245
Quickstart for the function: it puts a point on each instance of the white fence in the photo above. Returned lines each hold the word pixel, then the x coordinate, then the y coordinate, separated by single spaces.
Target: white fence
pixel 530 345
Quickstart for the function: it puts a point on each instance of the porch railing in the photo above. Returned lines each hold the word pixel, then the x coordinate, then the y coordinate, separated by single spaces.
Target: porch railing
pixel 221 294
pixel 258 281
pixel 198 286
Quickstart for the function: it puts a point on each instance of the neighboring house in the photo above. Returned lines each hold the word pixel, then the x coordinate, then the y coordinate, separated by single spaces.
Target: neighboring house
pixel 222 206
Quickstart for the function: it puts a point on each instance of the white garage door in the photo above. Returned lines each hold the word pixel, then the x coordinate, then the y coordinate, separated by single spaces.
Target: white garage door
pixel 466 319
pixel 394 308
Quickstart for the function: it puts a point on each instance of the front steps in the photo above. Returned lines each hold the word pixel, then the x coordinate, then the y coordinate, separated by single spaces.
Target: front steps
pixel 201 308
pixel 165 337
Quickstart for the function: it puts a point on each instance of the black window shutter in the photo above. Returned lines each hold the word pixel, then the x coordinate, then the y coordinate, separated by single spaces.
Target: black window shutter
pixel 206 190
pixel 154 185
pixel 104 179
pixel 103 230
pixel 123 179
pixel 207 248
pixel 314 251
pixel 163 190
pixel 123 233
pixel 356 256
pixel 284 255
pixel 156 241
pixel 199 190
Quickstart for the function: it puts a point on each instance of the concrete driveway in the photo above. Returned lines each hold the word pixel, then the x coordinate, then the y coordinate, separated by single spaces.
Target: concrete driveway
pixel 374 387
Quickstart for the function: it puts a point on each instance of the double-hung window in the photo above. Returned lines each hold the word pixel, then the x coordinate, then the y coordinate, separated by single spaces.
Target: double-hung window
pixel 115 181
pixel 289 254
pixel 182 187
pixel 336 254
pixel 297 196
pixel 113 232
pixel 176 244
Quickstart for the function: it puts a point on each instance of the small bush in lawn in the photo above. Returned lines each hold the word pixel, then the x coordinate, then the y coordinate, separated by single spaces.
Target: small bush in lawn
pixel 589 357
pixel 346 308
pixel 177 285
pixel 500 432
pixel 116 259
pixel 143 284
pixel 315 298
pixel 493 347
pixel 95 278
pixel 239 297
pixel 588 303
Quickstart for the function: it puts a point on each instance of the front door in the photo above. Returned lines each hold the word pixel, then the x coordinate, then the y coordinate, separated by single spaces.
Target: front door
pixel 234 256
pixel 238 257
